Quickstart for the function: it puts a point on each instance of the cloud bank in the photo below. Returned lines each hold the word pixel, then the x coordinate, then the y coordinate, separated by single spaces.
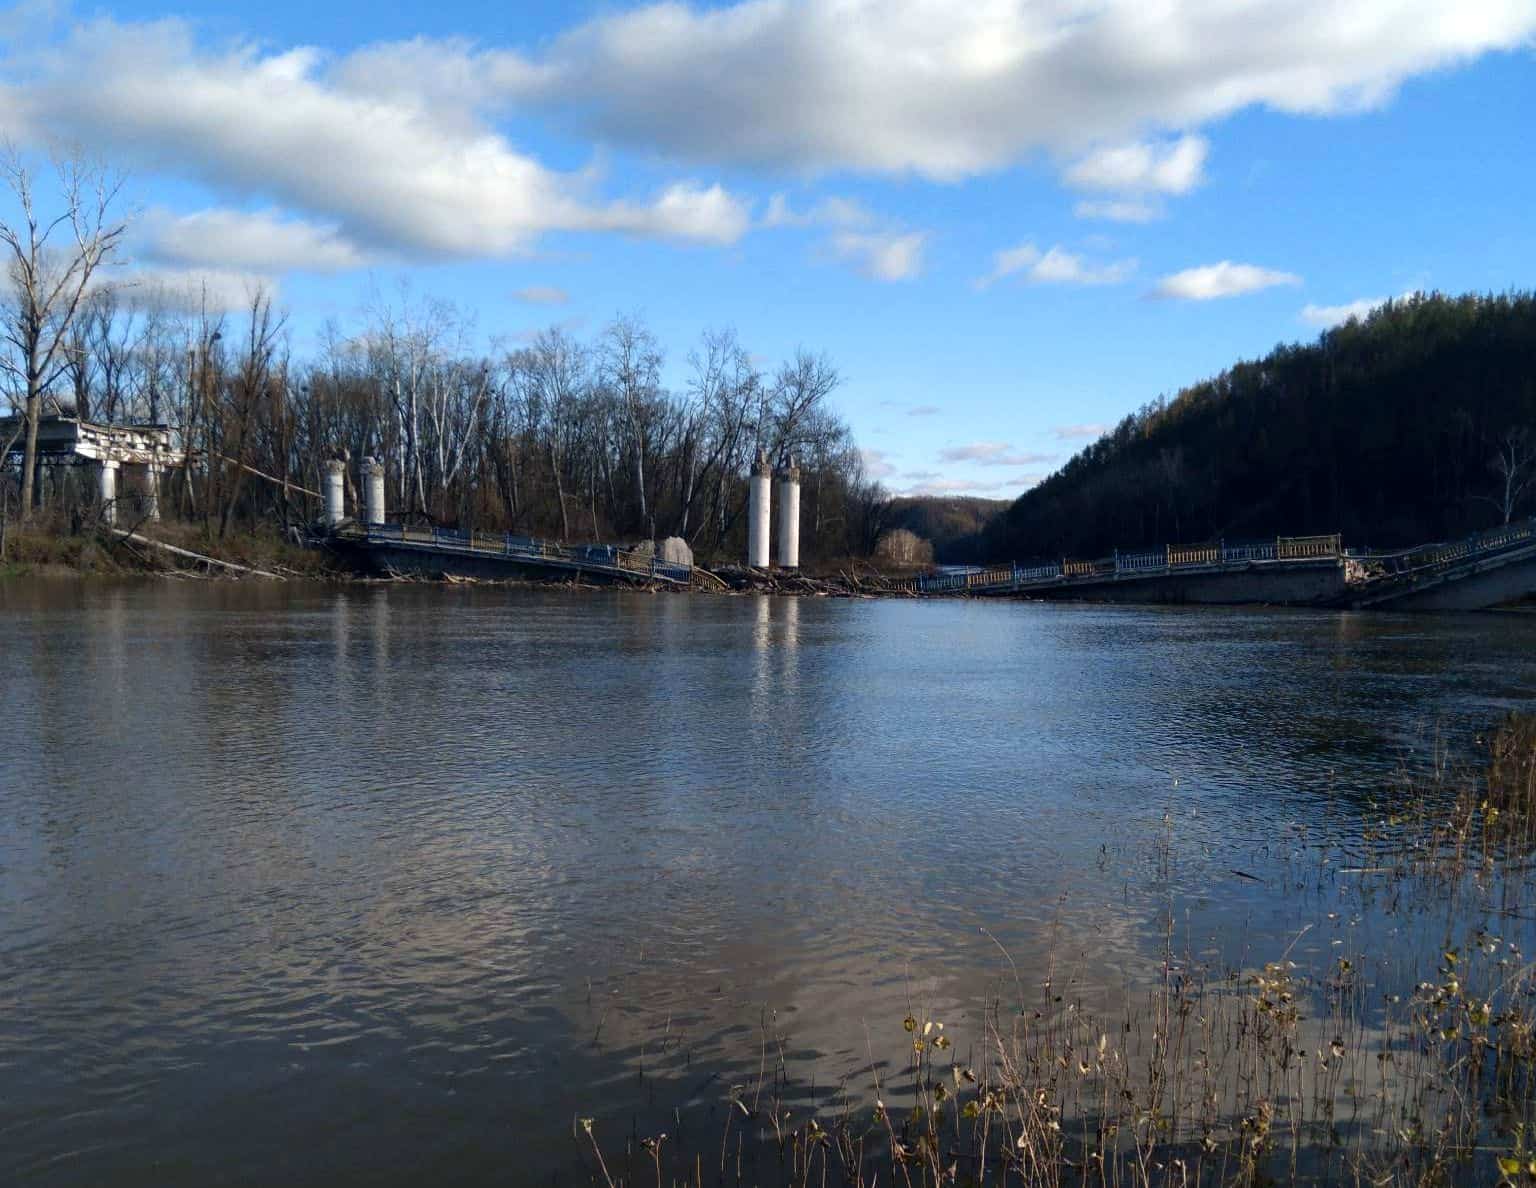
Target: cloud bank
pixel 948 91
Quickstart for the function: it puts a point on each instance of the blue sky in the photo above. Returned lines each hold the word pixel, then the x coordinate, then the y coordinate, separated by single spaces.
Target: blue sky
pixel 1008 222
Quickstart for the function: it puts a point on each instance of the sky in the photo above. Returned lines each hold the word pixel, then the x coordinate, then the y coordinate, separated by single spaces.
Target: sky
pixel 1008 222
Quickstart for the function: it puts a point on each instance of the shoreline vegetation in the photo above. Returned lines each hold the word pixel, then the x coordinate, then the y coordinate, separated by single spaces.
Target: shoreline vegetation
pixel 182 550
pixel 1352 1054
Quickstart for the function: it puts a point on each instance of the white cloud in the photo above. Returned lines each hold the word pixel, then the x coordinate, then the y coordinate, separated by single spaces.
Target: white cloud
pixel 1054 267
pixel 1119 210
pixel 683 210
pixel 877 464
pixel 992 453
pixel 879 248
pixel 924 410
pixel 1225 279
pixel 1143 167
pixel 948 91
pixel 378 160
pixel 1325 317
pixel 882 255
pixel 1078 432
pixel 828 212
pixel 258 242
pixel 542 295
pixel 951 487
pixel 195 290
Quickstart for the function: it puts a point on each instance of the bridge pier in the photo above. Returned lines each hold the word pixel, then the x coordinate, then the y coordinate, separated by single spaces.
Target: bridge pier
pixel 149 488
pixel 335 492
pixel 373 492
pixel 789 516
pixel 106 480
pixel 758 512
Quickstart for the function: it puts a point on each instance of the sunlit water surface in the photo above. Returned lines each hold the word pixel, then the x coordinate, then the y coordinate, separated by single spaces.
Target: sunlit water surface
pixel 386 885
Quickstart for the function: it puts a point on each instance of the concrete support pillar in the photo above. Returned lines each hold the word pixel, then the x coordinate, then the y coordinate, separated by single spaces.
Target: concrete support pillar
pixel 106 477
pixel 335 492
pixel 789 516
pixel 373 492
pixel 758 496
pixel 152 492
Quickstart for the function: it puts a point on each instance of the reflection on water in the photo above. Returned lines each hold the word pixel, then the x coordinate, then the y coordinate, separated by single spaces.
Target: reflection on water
pixel 326 885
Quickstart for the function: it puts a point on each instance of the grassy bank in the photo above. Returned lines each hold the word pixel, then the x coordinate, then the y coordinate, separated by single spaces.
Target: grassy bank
pixel 51 549
pixel 1400 1051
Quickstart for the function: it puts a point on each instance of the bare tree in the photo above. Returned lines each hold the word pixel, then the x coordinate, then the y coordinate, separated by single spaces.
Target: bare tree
pixel 1513 466
pixel 631 367
pixel 558 375
pixel 253 382
pixel 50 278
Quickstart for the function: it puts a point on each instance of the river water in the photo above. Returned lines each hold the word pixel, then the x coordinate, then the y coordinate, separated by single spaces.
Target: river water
pixel 387 884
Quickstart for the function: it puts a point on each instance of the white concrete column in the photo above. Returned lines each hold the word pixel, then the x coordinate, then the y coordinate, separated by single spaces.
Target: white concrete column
pixel 335 492
pixel 373 492
pixel 152 492
pixel 758 513
pixel 789 516
pixel 106 477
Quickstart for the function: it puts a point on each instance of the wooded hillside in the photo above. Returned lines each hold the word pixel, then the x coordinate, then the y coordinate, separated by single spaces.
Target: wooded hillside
pixel 1416 424
pixel 953 524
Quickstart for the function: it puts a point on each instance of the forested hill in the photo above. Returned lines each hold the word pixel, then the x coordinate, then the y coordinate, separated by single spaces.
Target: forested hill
pixel 1394 430
pixel 953 524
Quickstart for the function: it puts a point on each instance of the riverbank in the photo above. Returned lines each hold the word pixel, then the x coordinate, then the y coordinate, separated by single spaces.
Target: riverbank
pixel 190 549
pixel 180 549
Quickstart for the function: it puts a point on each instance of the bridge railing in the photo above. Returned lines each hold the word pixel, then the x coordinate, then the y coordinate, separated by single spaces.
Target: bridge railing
pixel 1304 548
pixel 507 544
pixel 1261 550
pixel 1204 554
pixel 1170 557
pixel 1141 562
pixel 1491 540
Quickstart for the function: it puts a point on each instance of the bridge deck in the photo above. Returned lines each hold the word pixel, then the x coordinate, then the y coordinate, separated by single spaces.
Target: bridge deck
pixel 1368 579
pixel 1358 579
pixel 1186 560
pixel 1400 577
pixel 608 562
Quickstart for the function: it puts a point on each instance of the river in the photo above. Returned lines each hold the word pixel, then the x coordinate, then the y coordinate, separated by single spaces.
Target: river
pixel 386 884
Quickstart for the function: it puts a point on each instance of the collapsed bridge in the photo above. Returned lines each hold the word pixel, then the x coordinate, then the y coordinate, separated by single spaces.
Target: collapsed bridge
pixel 1484 570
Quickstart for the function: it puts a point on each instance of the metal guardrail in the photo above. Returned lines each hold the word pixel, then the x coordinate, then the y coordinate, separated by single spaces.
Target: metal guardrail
pixel 1306 548
pixel 1491 540
pixel 1171 557
pixel 603 558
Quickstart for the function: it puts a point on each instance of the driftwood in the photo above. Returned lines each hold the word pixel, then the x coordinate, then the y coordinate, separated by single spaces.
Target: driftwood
pixel 743 579
pixel 137 538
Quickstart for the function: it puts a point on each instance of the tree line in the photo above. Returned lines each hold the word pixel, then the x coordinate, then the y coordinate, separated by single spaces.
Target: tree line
pixel 557 436
pixel 1415 424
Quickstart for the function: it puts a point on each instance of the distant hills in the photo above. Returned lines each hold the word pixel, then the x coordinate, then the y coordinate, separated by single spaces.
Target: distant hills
pixel 954 524
pixel 1416 424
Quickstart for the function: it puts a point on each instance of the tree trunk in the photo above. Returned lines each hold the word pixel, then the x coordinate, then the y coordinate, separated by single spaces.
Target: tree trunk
pixel 29 455
pixel 565 524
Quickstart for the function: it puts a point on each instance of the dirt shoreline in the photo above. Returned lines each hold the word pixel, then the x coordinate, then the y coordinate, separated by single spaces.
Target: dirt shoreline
pixel 188 550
